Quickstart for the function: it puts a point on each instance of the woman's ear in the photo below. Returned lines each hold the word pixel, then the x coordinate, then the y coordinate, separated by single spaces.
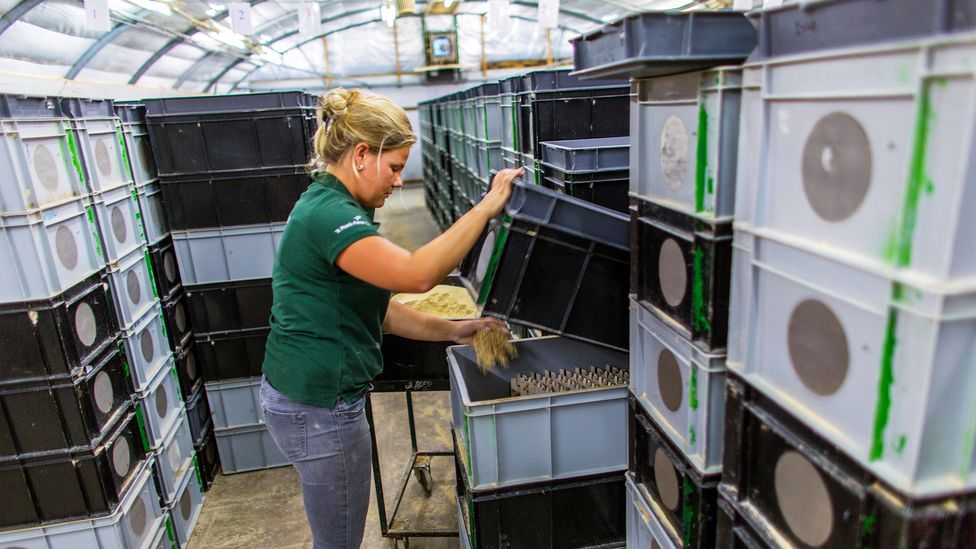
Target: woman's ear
pixel 359 153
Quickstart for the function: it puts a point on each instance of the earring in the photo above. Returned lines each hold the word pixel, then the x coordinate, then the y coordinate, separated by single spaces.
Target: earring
pixel 360 167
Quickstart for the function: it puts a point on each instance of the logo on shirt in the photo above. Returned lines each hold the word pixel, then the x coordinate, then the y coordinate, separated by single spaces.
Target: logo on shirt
pixel 358 220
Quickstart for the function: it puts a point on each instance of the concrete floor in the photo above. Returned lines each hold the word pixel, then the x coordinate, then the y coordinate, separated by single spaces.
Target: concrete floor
pixel 264 508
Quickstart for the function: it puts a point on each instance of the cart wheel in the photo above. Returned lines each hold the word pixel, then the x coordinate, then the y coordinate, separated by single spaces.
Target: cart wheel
pixel 423 477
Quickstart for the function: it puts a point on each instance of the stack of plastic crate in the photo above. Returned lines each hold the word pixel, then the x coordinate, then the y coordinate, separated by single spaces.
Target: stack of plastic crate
pixel 559 264
pixel 183 494
pixel 852 324
pixel 684 133
pixel 75 459
pixel 231 168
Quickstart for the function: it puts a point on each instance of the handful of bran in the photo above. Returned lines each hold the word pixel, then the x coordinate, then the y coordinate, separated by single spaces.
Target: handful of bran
pixel 493 346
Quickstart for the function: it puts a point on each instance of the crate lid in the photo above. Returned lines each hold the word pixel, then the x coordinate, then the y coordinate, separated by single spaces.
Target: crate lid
pixel 245 102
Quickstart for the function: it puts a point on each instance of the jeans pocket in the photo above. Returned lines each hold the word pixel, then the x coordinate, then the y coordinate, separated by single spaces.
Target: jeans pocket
pixel 289 432
pixel 350 410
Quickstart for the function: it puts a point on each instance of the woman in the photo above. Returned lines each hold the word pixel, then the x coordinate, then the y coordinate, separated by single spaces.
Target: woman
pixel 332 280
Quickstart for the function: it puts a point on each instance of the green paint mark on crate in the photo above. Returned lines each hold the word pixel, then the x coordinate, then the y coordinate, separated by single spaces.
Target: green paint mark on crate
pixel 69 135
pixel 900 447
pixel 140 420
pixel 899 249
pixel 701 160
pixel 125 361
pixel 170 532
pixel 152 274
pixel 94 230
pixel 692 435
pixel 687 513
pixel 693 389
pixel 885 381
pixel 125 154
pixel 867 528
pixel 495 258
pixel 196 469
pixel 700 321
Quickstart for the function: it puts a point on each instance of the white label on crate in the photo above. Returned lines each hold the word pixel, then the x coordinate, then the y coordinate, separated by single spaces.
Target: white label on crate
pixel 46 168
pixel 121 457
pixel 102 158
pixel 147 345
pixel 86 327
pixel 119 229
pixel 162 401
pixel 186 504
pixel 138 517
pixel 803 499
pixel 67 247
pixel 836 167
pixel 669 380
pixel 666 480
pixel 672 272
pixel 174 456
pixel 818 347
pixel 104 393
pixel 674 152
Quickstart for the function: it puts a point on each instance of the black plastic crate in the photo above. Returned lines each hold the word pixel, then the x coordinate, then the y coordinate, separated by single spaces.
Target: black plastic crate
pixel 198 415
pixel 782 473
pixel 54 337
pixel 166 270
pixel 557 263
pixel 608 192
pixel 652 44
pixel 553 105
pixel 76 483
pixel 580 512
pixel 65 412
pixel 794 29
pixel 232 355
pixel 207 459
pixel 188 369
pixel 130 112
pixel 229 306
pixel 686 497
pixel 230 199
pixel 23 106
pixel 682 266
pixel 207 135
pixel 179 330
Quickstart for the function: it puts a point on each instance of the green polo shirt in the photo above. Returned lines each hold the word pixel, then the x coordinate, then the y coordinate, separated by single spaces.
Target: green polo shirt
pixel 326 325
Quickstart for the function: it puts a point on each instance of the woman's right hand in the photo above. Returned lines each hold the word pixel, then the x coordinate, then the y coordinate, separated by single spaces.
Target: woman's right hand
pixel 501 190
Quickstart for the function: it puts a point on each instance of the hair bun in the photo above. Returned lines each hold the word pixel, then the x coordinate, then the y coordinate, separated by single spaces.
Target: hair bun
pixel 336 103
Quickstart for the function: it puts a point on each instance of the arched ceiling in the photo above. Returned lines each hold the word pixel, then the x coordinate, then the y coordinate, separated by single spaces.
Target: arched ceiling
pixel 187 45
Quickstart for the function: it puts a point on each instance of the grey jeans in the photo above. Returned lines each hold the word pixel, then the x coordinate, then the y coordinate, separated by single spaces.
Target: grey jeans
pixel 331 449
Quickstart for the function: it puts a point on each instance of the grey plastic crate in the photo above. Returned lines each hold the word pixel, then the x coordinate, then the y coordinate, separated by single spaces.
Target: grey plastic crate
pixel 684 149
pixel 147 348
pixel 120 222
pixel 489 158
pixel 139 153
pixel 662 43
pixel 153 215
pixel 815 25
pixel 680 386
pixel 488 118
pixel 46 252
pixel 133 525
pixel 511 441
pixel 160 405
pixel 174 459
pixel 133 288
pixel 227 253
pixel 248 448
pixel 598 154
pixel 509 105
pixel 644 528
pixel 39 166
pixel 235 403
pixel 185 509
pixel 101 145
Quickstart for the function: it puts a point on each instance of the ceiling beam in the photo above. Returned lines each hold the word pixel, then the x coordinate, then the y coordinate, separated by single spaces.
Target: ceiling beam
pixel 93 50
pixel 15 13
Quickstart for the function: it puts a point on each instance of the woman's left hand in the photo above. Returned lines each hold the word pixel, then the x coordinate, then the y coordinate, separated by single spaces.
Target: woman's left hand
pixel 464 330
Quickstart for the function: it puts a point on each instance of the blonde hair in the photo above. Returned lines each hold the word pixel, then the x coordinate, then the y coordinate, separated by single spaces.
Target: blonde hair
pixel 348 117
